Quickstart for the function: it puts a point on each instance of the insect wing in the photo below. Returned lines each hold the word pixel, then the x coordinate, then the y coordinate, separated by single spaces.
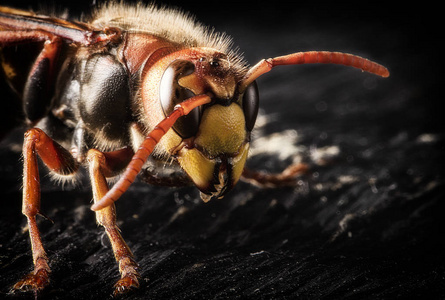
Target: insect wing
pixel 18 20
pixel 35 27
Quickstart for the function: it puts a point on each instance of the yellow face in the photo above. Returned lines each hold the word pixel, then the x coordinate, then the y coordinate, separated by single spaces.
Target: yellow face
pixel 217 159
pixel 211 143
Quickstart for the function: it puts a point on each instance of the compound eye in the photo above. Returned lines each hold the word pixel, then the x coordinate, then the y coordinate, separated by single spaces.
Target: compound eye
pixel 251 105
pixel 171 94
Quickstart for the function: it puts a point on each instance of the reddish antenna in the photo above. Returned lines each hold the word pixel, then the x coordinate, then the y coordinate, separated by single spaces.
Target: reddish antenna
pixel 146 148
pixel 313 57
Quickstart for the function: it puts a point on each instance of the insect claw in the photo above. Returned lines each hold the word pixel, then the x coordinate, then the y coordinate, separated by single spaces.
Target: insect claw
pixel 125 284
pixel 33 282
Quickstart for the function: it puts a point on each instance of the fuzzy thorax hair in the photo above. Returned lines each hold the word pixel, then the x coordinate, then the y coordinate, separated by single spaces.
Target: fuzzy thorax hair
pixel 169 23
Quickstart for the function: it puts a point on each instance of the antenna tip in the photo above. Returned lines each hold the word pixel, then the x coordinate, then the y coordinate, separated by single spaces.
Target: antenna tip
pixel 385 73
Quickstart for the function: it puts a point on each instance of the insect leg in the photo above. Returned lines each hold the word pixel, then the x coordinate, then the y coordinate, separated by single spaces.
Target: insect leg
pixel 59 160
pixel 285 178
pixel 102 165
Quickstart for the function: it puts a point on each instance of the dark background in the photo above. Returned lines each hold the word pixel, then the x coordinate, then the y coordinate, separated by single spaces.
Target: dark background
pixel 366 223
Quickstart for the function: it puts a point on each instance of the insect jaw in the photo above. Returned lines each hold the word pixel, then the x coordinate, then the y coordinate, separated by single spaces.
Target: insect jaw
pixel 213 176
pixel 226 175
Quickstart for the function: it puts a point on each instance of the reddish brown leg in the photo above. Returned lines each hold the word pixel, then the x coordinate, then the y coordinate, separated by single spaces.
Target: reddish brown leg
pixel 102 165
pixel 58 160
pixel 285 178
